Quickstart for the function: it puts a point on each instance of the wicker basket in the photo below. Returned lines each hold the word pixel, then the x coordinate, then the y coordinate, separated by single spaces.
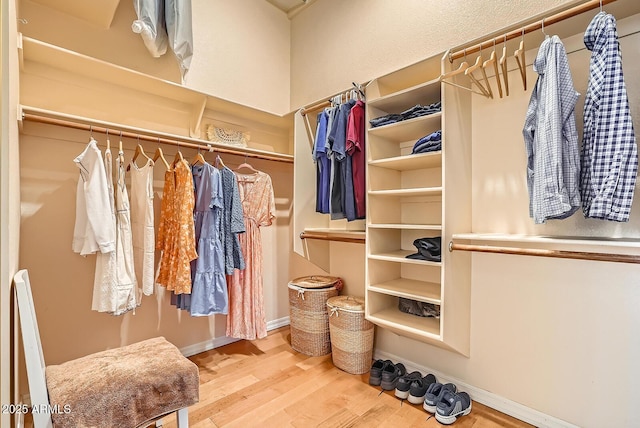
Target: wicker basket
pixel 308 313
pixel 351 334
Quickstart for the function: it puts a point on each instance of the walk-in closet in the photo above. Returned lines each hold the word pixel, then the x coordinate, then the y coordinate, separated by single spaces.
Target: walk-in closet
pixel 319 213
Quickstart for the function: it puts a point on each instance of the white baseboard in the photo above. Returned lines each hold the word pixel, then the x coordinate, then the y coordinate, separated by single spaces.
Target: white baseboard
pixel 487 398
pixel 208 345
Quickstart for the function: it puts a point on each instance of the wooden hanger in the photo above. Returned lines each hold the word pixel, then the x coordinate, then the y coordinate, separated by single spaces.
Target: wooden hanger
pixel 198 159
pixel 159 155
pixel 493 63
pixel 469 73
pixel 522 63
pixel 503 66
pixel 108 142
pixel 177 158
pixel 139 151
pixel 461 68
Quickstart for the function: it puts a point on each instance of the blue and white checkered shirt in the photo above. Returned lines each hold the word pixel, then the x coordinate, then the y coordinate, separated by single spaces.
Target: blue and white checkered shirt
pixel 551 138
pixel 609 157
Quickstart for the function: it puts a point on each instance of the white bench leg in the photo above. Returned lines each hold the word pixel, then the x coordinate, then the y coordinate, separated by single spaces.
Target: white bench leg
pixel 183 417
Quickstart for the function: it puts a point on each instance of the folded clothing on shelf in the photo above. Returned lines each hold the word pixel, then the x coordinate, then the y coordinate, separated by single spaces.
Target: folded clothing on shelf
pixel 428 143
pixel 415 111
pixel 419 110
pixel 385 120
pixel 428 249
pixel 421 309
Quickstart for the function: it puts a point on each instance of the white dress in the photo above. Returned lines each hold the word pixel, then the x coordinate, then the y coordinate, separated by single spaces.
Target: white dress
pixel 142 227
pixel 115 283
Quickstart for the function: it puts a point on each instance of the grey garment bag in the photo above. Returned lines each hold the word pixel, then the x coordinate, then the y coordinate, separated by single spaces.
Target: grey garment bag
pixel 178 20
pixel 151 25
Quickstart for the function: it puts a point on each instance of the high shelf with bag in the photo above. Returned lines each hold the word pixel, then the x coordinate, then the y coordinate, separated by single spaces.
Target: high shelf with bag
pixel 418 190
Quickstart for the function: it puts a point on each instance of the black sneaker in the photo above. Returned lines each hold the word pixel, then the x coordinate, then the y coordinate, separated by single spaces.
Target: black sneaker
pixel 390 375
pixel 375 374
pixel 404 384
pixel 451 406
pixel 435 393
pixel 419 389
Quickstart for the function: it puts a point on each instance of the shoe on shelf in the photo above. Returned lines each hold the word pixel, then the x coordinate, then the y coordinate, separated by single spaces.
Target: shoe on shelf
pixel 435 393
pixel 375 373
pixel 404 384
pixel 451 406
pixel 419 387
pixel 390 375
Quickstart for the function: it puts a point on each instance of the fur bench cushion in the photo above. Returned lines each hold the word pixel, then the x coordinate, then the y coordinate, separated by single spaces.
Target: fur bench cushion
pixel 122 387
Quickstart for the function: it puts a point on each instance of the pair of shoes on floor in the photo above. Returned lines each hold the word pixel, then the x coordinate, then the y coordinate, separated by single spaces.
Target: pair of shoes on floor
pixel 447 404
pixel 413 387
pixel 385 373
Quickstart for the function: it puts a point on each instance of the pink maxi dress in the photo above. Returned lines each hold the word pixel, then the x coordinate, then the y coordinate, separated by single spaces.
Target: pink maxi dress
pixel 246 319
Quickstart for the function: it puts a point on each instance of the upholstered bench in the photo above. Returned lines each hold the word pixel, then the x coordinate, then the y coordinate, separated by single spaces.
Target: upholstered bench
pixel 130 386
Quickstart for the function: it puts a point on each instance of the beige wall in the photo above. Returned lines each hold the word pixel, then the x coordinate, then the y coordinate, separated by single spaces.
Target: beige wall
pixel 335 42
pixel 241 48
pixel 62 280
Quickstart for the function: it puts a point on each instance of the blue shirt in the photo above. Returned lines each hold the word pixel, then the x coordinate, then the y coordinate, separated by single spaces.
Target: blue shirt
pixel 609 157
pixel 551 138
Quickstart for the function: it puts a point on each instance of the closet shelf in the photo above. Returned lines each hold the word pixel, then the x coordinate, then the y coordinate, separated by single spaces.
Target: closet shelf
pixel 419 191
pixel 410 162
pixel 400 256
pixel 49 71
pixel 405 226
pixel 423 93
pixel 409 325
pixel 411 289
pixel 336 235
pixel 411 129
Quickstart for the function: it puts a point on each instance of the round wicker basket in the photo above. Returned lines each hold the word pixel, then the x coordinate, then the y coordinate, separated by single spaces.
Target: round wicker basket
pixel 308 314
pixel 351 334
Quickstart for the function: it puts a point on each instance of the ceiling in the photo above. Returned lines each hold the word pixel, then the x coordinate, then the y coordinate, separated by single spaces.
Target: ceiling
pixel 290 7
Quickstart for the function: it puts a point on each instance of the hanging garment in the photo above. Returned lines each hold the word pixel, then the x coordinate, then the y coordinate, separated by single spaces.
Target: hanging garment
pixel 178 20
pixel 609 157
pixel 355 148
pixel 331 112
pixel 125 275
pixel 209 290
pixel 323 165
pixel 176 233
pixel 151 25
pixel 93 230
pixel 233 222
pixel 142 227
pixel 342 191
pixel 247 318
pixel 551 138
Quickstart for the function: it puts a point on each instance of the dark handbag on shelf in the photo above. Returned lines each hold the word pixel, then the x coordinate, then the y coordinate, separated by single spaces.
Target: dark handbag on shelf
pixel 421 309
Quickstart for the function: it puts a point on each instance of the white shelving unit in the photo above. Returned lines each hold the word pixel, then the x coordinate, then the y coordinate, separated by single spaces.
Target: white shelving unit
pixel 408 198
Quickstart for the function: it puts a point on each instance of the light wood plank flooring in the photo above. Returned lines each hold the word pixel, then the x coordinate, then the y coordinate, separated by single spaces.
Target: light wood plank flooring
pixel 266 383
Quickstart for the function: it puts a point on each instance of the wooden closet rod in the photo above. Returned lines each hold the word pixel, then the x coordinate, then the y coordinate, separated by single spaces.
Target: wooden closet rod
pixel 331 237
pixel 579 255
pixel 322 104
pixel 561 16
pixel 34 114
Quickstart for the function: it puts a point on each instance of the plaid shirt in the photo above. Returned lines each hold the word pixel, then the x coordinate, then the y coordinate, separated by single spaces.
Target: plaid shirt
pixel 551 138
pixel 609 157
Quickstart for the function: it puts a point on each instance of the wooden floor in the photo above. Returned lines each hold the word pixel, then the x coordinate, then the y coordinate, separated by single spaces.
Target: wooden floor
pixel 265 383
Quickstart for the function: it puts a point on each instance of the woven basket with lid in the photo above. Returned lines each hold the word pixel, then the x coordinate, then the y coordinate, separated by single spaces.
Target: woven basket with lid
pixel 308 314
pixel 351 334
